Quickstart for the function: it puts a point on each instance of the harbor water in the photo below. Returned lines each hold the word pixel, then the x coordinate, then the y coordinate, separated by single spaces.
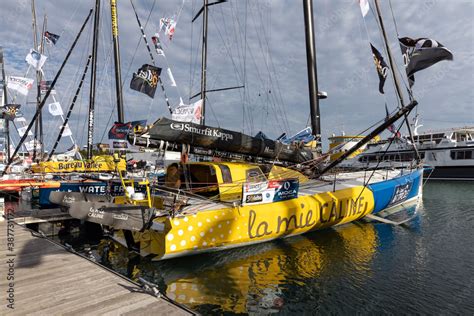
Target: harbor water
pixel 424 267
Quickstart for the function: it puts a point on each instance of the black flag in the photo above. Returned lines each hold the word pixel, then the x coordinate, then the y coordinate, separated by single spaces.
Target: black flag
pixel 10 112
pixel 381 65
pixel 146 79
pixel 51 37
pixel 421 53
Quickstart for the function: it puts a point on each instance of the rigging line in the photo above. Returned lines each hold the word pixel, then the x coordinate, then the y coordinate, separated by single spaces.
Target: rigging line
pixel 111 113
pixel 190 88
pixel 272 65
pixel 370 42
pixel 151 55
pixel 72 82
pixel 378 162
pixel 399 102
pixel 237 35
pixel 229 52
pixel 53 122
pixel 246 93
pixel 275 107
pixel 402 76
pixel 195 67
pixel 393 17
pixel 278 106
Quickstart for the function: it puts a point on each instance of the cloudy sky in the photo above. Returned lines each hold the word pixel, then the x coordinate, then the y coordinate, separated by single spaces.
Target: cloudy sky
pixel 259 44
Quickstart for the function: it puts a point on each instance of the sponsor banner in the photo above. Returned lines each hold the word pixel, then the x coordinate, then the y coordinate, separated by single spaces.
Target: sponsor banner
pixel 20 84
pixel 188 113
pixel 55 109
pixel 30 145
pixel 119 131
pixel 22 130
pixel 35 59
pixel 269 191
pixel 119 144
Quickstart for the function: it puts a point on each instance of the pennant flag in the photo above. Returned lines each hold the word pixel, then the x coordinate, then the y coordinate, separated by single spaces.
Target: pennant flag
pixel 10 111
pixel 156 41
pixel 45 85
pixel 188 113
pixel 381 65
pixel 146 79
pixel 30 145
pixel 168 25
pixel 20 84
pixel 364 7
pixel 55 109
pixel 67 131
pixel 22 130
pixel 391 128
pixel 170 75
pixel 421 53
pixel 304 136
pixel 120 131
pixel 20 119
pixel 51 38
pixel 71 151
pixel 137 125
pixel 35 59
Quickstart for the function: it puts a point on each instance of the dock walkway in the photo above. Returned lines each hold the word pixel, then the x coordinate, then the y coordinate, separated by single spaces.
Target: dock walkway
pixel 38 276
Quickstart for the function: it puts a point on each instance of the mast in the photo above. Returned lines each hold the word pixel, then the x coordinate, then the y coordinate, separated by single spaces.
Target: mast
pixel 395 76
pixel 38 122
pixel 53 83
pixel 312 72
pixel 118 76
pixel 6 130
pixel 95 44
pixel 204 60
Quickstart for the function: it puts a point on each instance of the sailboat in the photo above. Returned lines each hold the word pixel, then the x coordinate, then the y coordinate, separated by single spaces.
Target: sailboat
pixel 75 173
pixel 223 205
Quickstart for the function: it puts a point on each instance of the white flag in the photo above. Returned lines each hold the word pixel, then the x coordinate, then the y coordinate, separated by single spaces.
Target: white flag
pixel 22 130
pixel 20 119
pixel 364 7
pixel 31 145
pixel 55 109
pixel 67 131
pixel 35 59
pixel 170 75
pixel 188 113
pixel 20 84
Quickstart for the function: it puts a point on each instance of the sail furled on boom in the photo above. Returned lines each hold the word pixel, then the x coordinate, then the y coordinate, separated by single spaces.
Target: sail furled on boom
pixel 421 53
pixel 225 140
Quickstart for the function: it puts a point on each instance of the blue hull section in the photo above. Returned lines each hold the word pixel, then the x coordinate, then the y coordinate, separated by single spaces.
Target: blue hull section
pixel 395 191
pixel 86 187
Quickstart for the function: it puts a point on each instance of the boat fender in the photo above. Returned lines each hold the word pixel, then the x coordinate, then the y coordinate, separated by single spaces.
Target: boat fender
pixel 138 196
pixel 159 227
pixel 130 191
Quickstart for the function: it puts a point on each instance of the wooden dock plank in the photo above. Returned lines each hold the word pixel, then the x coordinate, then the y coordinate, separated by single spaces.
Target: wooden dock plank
pixel 49 280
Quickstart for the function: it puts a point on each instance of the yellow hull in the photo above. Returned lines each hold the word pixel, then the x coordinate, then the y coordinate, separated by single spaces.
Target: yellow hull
pixel 239 226
pixel 97 164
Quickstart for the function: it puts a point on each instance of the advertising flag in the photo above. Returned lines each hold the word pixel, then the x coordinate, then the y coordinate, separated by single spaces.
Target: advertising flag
pixel 146 79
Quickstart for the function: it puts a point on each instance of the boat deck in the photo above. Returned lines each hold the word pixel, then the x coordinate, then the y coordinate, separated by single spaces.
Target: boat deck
pixel 49 280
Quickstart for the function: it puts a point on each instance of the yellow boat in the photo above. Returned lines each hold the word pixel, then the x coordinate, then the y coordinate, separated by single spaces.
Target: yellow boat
pixel 104 163
pixel 255 277
pixel 230 205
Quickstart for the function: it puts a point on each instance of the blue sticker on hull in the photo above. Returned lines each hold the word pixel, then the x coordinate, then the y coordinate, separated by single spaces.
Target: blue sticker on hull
pixel 394 191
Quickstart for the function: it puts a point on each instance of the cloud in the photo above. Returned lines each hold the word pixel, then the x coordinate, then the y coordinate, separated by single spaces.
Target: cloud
pixel 259 44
